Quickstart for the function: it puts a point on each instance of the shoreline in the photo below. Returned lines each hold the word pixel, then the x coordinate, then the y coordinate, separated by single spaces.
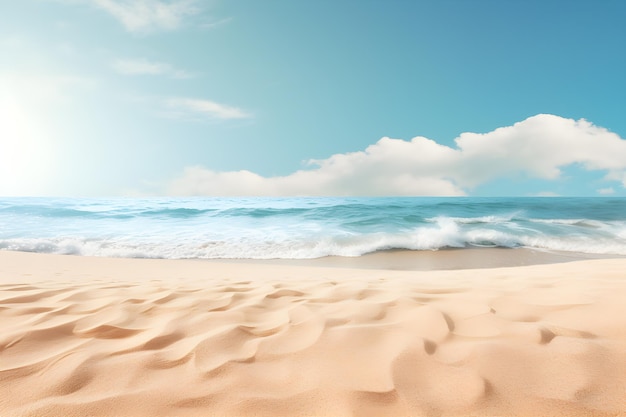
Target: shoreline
pixel 108 336
pixel 396 259
pixel 434 260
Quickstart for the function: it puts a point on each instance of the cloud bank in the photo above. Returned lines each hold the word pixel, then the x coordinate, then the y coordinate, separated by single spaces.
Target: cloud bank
pixel 148 15
pixel 538 147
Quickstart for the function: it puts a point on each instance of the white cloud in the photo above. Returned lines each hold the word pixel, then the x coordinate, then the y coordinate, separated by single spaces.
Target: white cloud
pixel 536 147
pixel 205 108
pixel 606 191
pixel 145 67
pixel 147 15
pixel 215 24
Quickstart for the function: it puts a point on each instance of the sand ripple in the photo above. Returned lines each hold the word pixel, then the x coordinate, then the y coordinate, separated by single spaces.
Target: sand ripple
pixel 548 341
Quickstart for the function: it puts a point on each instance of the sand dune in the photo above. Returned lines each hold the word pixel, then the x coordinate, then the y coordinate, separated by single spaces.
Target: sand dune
pixel 118 337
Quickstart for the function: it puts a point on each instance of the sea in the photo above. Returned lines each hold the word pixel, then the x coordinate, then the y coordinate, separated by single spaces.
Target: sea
pixel 306 228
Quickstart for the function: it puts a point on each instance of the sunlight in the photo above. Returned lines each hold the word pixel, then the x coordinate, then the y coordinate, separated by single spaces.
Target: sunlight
pixel 22 154
pixel 13 138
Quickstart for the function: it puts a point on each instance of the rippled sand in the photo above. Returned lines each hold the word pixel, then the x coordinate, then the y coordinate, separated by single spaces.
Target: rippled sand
pixel 120 337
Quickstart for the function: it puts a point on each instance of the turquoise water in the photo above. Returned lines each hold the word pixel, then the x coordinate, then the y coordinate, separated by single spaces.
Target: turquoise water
pixel 298 228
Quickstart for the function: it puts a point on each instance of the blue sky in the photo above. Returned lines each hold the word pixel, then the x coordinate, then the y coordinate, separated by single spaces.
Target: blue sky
pixel 245 97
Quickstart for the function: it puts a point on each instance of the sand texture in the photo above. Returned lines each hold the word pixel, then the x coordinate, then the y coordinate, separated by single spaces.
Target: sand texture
pixel 118 337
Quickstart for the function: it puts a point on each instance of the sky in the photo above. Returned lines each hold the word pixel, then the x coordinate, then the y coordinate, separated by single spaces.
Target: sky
pixel 324 97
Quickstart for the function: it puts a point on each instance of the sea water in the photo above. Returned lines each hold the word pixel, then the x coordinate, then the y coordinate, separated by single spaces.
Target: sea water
pixel 302 228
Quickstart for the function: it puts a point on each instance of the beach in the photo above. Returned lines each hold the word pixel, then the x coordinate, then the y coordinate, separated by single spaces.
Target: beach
pixel 100 336
pixel 312 208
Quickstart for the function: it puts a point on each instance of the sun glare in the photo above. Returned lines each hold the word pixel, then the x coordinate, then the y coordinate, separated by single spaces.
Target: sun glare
pixel 21 156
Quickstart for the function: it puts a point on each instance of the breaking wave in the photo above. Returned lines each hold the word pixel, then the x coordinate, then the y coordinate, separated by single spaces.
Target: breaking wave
pixel 307 227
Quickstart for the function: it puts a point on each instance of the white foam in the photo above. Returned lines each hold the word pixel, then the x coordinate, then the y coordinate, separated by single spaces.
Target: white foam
pixel 222 229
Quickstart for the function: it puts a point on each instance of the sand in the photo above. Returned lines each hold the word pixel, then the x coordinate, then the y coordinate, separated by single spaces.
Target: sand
pixel 121 337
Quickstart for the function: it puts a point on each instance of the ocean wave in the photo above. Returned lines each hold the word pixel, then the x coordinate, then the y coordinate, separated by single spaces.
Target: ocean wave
pixel 445 236
pixel 489 219
pixel 306 228
pixel 572 222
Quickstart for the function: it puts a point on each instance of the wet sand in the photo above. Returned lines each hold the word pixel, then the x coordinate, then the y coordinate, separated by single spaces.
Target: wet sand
pixel 448 259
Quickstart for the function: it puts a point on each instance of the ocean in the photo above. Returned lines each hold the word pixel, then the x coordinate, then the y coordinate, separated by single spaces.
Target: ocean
pixel 306 228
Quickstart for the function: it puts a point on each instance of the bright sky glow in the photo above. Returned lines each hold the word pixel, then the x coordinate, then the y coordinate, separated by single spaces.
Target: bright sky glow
pixel 276 97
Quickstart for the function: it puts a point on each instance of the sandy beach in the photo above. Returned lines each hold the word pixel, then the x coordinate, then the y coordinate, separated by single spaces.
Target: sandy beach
pixel 84 336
